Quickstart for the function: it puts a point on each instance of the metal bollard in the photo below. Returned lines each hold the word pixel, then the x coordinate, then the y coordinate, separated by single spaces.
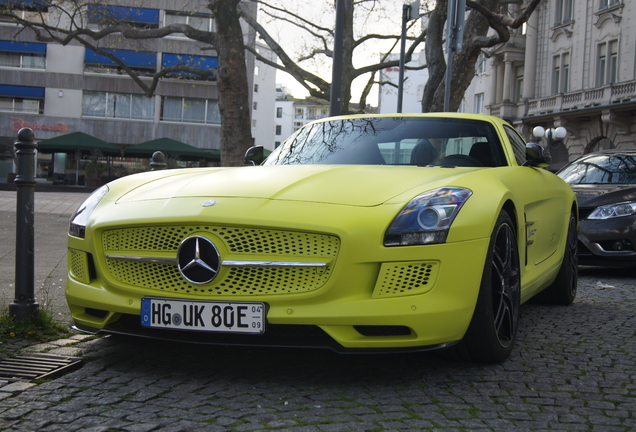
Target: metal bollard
pixel 158 161
pixel 24 305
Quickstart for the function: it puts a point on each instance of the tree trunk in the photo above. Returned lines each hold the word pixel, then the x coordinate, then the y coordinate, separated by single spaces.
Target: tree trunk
pixel 236 135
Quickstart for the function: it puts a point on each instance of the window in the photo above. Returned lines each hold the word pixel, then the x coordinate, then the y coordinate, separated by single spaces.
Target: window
pixel 613 62
pixel 480 68
pixel 255 106
pixel 205 63
pixel 608 3
pixel 203 22
pixel 276 144
pixel 279 112
pixel 278 129
pixel 607 63
pixel 33 11
pixel 22 99
pixel 561 73
pixel 255 88
pixel 118 105
pixel 144 63
pixel 518 145
pixel 479 103
pixel 518 91
pixel 312 114
pixel 190 110
pixel 254 123
pixel 563 12
pixel 565 78
pixel 27 55
pixel 299 113
pixel 556 73
pixel 100 16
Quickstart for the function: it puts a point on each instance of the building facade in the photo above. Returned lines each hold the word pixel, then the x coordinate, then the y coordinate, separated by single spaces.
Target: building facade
pixel 264 100
pixel 572 65
pixel 56 89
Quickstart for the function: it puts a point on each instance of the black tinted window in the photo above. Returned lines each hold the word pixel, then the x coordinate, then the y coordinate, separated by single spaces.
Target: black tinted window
pixel 390 141
pixel 600 169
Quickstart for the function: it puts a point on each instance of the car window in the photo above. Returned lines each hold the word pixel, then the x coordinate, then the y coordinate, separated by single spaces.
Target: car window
pixel 518 145
pixel 391 141
pixel 601 169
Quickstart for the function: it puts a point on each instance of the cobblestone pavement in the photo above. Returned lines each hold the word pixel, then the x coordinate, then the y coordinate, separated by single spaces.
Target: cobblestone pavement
pixel 574 368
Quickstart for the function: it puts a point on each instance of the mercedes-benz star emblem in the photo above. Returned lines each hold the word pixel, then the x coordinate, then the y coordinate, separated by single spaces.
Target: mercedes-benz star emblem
pixel 198 260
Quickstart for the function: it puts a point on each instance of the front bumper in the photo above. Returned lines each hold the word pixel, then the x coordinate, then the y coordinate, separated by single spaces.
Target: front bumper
pixel 350 312
pixel 608 242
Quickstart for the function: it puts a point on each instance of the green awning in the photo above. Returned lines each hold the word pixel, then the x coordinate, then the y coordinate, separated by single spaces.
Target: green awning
pixel 171 148
pixel 77 141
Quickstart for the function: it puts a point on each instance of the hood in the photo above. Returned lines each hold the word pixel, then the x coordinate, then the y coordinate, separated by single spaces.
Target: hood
pixel 592 195
pixel 357 185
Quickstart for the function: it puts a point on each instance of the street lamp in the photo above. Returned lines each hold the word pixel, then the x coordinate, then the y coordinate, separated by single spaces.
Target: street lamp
pixel 552 135
pixel 409 12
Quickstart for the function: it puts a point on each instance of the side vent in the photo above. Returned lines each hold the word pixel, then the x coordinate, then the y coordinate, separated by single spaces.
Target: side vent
pixel 405 278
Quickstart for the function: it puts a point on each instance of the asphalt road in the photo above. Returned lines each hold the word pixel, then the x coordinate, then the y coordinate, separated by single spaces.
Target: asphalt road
pixel 574 368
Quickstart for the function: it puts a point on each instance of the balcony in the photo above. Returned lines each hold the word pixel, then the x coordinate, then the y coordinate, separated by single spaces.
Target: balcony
pixel 605 96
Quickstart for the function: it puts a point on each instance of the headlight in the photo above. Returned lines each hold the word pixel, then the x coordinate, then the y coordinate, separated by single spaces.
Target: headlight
pixel 613 210
pixel 427 218
pixel 80 217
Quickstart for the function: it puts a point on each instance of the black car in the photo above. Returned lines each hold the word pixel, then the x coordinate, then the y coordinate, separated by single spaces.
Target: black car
pixel 605 185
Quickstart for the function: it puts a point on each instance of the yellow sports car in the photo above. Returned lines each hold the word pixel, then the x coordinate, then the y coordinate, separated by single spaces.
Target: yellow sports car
pixel 359 233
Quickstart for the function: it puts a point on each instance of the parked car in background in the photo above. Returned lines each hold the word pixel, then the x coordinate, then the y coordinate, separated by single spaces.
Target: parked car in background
pixel 358 233
pixel 605 184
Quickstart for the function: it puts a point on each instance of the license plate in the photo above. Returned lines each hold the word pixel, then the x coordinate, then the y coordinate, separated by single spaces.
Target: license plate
pixel 211 316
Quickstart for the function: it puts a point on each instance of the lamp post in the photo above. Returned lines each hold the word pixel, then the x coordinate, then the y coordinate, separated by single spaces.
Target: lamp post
pixel 335 95
pixel 409 12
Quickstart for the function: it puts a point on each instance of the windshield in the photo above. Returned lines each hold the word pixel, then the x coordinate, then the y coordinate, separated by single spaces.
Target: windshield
pixel 392 141
pixel 601 169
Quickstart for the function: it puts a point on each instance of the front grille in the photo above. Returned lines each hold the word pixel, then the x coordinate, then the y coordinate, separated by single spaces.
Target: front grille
pixel 238 240
pixel 250 243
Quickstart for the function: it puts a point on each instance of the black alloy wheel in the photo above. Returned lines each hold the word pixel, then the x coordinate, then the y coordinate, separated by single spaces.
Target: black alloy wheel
pixel 492 331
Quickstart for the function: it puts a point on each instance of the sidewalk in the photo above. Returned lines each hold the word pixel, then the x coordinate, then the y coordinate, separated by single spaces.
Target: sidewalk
pixel 52 213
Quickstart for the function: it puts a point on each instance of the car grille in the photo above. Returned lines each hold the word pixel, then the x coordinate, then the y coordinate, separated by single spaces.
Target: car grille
pixel 250 243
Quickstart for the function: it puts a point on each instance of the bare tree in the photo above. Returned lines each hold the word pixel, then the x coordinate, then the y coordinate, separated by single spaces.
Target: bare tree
pixel 310 29
pixel 485 27
pixel 482 16
pixel 67 21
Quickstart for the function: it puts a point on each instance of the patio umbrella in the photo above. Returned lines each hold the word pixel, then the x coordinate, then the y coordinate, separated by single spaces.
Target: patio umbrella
pixel 169 146
pixel 77 143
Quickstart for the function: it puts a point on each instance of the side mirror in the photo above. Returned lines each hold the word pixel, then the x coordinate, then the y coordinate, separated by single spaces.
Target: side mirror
pixel 254 156
pixel 537 156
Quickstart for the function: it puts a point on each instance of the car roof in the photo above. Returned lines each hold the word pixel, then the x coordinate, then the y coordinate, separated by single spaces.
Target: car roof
pixel 612 152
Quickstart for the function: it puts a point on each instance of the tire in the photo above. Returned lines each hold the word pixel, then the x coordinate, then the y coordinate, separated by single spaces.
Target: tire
pixel 563 290
pixel 492 332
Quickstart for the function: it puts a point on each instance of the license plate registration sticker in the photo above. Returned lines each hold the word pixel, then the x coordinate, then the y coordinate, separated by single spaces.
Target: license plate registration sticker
pixel 211 316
